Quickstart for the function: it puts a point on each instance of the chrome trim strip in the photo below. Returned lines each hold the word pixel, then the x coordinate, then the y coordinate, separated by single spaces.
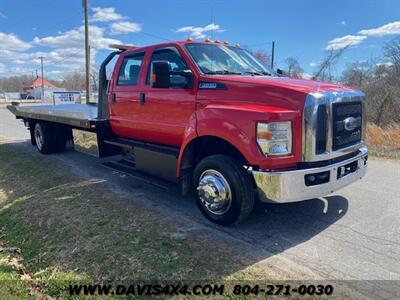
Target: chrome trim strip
pixel 311 104
pixel 289 186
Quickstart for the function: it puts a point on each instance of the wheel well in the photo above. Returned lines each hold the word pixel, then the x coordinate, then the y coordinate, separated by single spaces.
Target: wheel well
pixel 200 148
pixel 32 124
pixel 205 146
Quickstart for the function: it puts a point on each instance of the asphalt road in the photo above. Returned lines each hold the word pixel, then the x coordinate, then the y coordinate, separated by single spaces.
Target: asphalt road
pixel 353 234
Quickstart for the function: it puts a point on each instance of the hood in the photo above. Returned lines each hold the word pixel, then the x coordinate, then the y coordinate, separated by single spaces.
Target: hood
pixel 300 85
pixel 276 91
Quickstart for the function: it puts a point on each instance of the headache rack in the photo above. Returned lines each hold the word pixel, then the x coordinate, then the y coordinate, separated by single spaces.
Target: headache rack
pixel 123 47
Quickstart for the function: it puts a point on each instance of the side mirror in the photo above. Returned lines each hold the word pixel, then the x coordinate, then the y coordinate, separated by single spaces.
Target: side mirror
pixel 160 74
pixel 280 72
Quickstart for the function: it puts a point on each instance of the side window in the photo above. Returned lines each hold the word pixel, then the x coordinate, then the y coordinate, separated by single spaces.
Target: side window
pixel 130 68
pixel 176 63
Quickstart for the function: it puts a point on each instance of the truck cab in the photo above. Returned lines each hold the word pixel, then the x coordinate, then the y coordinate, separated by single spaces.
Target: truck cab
pixel 217 121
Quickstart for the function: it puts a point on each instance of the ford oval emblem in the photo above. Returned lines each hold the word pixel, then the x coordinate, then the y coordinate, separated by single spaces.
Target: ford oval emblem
pixel 350 123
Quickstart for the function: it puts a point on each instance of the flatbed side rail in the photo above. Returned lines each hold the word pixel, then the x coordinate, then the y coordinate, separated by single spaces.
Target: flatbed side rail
pixel 88 124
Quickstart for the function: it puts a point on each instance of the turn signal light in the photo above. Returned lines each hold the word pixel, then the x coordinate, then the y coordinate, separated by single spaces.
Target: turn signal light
pixel 264 135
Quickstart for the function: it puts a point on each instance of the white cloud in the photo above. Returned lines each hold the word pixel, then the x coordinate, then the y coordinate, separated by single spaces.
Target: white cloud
pixel 69 58
pixel 125 27
pixel 2 68
pixel 67 49
pixel 343 22
pixel 3 16
pixel 390 28
pixel 315 64
pixel 105 14
pixel 342 42
pixel 19 62
pixel 75 39
pixel 200 32
pixel 11 41
pixel 386 64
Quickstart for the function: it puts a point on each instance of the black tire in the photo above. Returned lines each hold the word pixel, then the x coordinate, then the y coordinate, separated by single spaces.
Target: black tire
pixel 240 186
pixel 44 138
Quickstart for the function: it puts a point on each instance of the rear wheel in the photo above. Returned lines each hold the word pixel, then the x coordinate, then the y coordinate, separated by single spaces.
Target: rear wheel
pixel 44 138
pixel 224 190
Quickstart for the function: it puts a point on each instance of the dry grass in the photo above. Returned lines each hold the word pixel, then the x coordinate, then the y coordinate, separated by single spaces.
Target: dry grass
pixel 384 142
pixel 72 230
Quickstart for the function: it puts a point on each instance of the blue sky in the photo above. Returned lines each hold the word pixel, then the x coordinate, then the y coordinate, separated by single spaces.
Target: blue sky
pixel 303 29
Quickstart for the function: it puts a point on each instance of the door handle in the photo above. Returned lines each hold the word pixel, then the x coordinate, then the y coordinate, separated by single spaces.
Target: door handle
pixel 113 97
pixel 142 98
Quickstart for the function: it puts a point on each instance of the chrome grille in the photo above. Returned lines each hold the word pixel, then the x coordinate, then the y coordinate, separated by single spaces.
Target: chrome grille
pixel 347 122
pixel 326 117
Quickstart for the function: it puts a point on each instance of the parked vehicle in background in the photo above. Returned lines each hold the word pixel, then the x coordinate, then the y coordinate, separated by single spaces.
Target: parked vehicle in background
pixel 217 121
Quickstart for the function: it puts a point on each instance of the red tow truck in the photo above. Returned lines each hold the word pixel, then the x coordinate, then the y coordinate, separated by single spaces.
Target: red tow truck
pixel 214 119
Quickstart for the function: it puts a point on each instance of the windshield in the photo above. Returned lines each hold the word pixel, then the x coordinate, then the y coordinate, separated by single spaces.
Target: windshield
pixel 221 59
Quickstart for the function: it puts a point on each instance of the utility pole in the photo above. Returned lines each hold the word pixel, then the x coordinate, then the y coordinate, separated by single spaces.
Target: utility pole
pixel 272 55
pixel 41 65
pixel 87 49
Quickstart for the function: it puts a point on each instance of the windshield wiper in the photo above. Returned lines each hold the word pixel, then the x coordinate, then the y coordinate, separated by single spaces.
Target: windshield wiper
pixel 223 72
pixel 259 73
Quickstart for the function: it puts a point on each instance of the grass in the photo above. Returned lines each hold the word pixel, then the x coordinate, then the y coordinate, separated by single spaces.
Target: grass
pixel 71 230
pixel 12 285
pixel 383 142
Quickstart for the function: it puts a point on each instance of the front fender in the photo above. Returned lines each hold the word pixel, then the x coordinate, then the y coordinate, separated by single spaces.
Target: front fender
pixel 236 124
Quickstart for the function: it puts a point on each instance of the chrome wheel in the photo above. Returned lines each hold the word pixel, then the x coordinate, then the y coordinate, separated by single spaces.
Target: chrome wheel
pixel 38 138
pixel 214 192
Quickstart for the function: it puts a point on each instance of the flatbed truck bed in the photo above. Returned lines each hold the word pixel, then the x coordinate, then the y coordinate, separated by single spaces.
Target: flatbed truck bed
pixel 84 116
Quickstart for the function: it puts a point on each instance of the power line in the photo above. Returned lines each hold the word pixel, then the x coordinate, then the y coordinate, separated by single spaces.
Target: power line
pixel 155 36
pixel 258 45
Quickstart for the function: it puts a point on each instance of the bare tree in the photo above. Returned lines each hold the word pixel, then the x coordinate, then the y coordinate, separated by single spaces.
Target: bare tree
pixel 326 68
pixel 381 87
pixel 294 70
pixel 356 74
pixel 94 78
pixel 392 52
pixel 14 83
pixel 74 81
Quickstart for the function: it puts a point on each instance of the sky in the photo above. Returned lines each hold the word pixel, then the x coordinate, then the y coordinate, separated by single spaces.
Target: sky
pixel 303 29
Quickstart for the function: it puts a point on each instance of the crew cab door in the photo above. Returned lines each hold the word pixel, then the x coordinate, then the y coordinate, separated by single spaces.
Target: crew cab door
pixel 165 112
pixel 124 96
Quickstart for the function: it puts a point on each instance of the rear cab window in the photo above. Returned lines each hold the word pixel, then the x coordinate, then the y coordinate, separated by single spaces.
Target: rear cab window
pixel 129 71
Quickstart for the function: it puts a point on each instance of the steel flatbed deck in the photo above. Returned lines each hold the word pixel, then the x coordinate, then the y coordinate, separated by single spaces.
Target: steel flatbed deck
pixel 83 116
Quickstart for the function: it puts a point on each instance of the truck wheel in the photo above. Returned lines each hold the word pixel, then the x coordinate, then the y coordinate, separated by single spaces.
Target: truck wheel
pixel 224 191
pixel 44 138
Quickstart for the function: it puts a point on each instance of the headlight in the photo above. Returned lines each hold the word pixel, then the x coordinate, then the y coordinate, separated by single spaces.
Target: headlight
pixel 275 138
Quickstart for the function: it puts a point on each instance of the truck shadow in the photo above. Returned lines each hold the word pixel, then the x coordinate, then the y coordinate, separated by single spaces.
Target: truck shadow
pixel 277 227
pixel 269 230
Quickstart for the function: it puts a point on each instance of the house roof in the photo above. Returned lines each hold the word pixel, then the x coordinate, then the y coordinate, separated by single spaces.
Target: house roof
pixel 38 83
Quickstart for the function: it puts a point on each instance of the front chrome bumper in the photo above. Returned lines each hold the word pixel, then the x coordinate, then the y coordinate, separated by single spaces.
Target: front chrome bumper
pixel 290 186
